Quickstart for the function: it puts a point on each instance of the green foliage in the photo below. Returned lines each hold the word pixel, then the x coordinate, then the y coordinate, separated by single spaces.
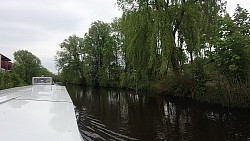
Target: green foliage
pixel 70 60
pixel 232 47
pixel 96 57
pixel 45 72
pixel 129 80
pixel 68 77
pixel 95 42
pixel 232 59
pixel 184 48
pixel 163 31
pixel 10 80
pixel 103 46
pixel 26 65
pixel 199 78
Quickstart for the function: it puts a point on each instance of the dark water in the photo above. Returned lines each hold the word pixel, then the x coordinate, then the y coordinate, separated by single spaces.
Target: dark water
pixel 109 114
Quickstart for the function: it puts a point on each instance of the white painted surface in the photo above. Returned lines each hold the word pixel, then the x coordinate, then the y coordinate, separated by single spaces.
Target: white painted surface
pixel 37 113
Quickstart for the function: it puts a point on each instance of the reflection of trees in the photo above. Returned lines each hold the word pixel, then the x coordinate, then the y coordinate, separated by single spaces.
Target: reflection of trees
pixel 76 93
pixel 148 117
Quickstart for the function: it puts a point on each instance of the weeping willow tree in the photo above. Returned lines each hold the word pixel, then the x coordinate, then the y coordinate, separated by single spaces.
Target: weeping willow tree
pixel 136 46
pixel 160 33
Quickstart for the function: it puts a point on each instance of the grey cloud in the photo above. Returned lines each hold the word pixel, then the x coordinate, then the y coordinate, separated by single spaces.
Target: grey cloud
pixel 46 19
pixel 40 25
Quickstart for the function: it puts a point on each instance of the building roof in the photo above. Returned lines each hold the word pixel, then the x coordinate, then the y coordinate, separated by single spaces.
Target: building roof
pixel 4 58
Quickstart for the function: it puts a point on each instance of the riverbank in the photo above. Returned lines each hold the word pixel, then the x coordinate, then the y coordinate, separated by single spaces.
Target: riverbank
pixel 213 92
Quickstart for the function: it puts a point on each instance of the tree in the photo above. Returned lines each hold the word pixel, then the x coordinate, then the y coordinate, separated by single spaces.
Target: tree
pixel 97 42
pixel 163 31
pixel 26 65
pixel 232 46
pixel 45 72
pixel 70 60
pixel 9 80
pixel 241 18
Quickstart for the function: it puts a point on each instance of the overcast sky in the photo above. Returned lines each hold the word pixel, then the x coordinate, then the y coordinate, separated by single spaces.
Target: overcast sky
pixel 40 25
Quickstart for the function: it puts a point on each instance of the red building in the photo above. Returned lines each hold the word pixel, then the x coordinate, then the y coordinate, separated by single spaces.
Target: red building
pixel 5 62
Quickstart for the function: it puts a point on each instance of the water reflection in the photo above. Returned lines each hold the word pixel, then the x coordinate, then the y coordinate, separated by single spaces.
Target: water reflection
pixel 108 114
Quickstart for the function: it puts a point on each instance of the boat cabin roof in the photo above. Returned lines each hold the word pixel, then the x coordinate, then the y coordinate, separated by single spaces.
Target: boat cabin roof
pixel 37 113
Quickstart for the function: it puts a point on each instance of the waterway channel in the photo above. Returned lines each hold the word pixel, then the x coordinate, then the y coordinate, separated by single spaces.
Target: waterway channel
pixel 113 114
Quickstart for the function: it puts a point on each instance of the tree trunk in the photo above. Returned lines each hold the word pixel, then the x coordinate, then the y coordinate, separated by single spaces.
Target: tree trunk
pixel 191 57
pixel 176 69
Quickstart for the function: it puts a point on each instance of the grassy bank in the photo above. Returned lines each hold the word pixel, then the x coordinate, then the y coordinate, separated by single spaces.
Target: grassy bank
pixel 213 92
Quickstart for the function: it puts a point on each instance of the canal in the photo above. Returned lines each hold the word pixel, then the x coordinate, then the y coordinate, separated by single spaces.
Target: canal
pixel 113 114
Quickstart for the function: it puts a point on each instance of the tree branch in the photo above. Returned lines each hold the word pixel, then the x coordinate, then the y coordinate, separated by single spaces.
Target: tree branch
pixel 179 22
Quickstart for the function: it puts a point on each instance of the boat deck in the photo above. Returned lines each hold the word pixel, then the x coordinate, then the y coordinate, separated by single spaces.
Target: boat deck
pixel 37 113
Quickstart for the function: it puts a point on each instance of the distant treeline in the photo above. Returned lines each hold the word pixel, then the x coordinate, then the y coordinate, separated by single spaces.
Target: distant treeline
pixel 25 66
pixel 183 48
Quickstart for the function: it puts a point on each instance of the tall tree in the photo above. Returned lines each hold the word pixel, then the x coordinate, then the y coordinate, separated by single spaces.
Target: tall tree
pixel 26 65
pixel 113 54
pixel 162 31
pixel 96 41
pixel 70 59
pixel 232 46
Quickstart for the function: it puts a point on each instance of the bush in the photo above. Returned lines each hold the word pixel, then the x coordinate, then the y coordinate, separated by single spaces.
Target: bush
pixel 10 80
